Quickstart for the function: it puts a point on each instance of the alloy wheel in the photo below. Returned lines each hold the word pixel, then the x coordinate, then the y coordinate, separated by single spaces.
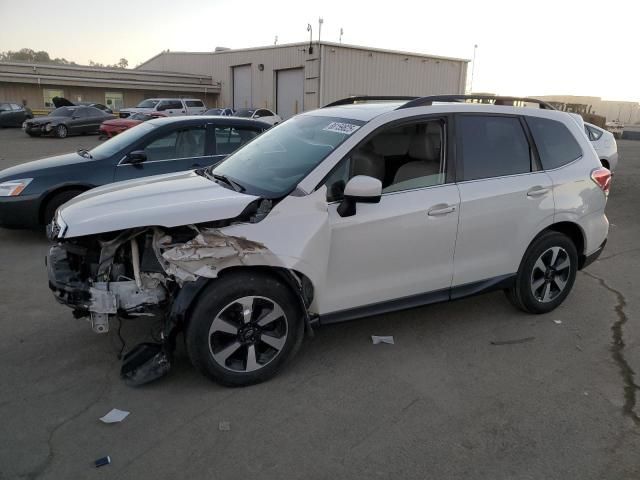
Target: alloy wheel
pixel 248 334
pixel 550 274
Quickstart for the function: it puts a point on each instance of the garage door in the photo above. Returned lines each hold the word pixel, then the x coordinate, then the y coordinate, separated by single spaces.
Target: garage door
pixel 242 87
pixel 290 92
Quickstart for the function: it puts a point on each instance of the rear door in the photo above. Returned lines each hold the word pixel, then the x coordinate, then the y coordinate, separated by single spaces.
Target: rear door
pixel 505 196
pixel 95 117
pixel 174 149
pixel 194 107
pixel 80 120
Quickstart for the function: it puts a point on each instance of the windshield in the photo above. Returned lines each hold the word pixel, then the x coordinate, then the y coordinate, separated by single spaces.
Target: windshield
pixel 275 162
pixel 61 112
pixel 139 116
pixel 148 103
pixel 243 112
pixel 120 141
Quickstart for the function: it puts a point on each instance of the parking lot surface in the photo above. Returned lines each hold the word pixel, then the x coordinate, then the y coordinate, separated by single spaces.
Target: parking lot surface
pixel 444 402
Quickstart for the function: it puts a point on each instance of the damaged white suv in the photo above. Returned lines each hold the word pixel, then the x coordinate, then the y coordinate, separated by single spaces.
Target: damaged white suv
pixel 355 209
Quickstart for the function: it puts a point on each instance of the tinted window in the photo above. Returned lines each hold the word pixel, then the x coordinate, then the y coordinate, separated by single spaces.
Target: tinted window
pixel 122 140
pixel 593 133
pixel 81 113
pixel 4 106
pixel 174 104
pixel 94 112
pixel 16 107
pixel 183 143
pixel 492 146
pixel 243 112
pixel 61 112
pixel 556 145
pixel 194 103
pixel 148 103
pixel 229 139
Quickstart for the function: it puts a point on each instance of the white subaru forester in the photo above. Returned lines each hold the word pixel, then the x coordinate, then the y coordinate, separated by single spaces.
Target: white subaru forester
pixel 355 209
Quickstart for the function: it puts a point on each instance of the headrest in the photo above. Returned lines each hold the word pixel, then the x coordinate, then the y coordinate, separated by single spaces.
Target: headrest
pixel 425 144
pixel 388 144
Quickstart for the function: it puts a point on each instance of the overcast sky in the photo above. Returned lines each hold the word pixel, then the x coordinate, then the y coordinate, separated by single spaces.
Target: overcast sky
pixel 533 47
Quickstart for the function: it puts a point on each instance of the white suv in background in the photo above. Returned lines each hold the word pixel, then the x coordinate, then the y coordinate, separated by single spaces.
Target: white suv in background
pixel 344 212
pixel 167 106
pixel 605 145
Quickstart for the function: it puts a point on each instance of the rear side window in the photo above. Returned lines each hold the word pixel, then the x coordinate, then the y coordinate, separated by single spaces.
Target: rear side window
pixel 194 103
pixel 593 133
pixel 230 139
pixel 492 146
pixel 556 144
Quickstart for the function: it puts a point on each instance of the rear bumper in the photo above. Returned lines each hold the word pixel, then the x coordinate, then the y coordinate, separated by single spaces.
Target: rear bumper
pixel 587 260
pixel 20 212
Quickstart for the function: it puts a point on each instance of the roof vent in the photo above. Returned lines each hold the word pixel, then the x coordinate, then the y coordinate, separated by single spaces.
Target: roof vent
pixel 221 49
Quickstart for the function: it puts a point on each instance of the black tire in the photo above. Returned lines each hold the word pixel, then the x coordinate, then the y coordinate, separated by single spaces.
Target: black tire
pixel 557 278
pixel 62 131
pixel 220 299
pixel 56 201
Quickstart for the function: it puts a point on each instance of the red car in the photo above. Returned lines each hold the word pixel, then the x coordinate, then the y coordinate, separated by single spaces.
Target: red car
pixel 110 128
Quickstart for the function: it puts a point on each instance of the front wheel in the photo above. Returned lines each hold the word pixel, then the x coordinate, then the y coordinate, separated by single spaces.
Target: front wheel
pixel 61 131
pixel 244 328
pixel 546 275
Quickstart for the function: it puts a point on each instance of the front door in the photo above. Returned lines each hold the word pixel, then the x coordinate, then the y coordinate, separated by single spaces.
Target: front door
pixel 402 247
pixel 173 150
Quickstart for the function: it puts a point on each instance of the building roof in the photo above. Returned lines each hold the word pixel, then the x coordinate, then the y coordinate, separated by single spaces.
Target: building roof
pixel 80 75
pixel 304 44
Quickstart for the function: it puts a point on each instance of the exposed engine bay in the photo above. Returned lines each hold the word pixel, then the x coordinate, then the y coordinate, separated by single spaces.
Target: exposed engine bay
pixel 142 272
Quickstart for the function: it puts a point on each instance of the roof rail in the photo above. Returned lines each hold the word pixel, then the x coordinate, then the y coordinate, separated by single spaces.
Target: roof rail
pixel 491 99
pixel 366 98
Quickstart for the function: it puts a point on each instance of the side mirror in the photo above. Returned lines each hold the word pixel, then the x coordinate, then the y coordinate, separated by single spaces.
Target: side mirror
pixel 136 157
pixel 360 189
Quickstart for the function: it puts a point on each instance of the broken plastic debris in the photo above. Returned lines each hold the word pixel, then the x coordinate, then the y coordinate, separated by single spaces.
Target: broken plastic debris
pixel 557 322
pixel 114 416
pixel 101 462
pixel 382 339
pixel 224 426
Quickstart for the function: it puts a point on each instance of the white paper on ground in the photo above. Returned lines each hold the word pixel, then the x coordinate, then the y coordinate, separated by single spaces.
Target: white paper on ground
pixel 381 339
pixel 114 416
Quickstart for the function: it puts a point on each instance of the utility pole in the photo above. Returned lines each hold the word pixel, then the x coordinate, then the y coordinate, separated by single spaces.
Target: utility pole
pixel 275 41
pixel 473 67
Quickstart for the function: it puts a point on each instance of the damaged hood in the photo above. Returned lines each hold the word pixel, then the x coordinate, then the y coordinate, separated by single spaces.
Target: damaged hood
pixel 169 200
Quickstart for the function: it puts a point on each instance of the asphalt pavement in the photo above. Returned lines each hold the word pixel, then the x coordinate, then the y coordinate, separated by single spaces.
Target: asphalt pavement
pixel 446 401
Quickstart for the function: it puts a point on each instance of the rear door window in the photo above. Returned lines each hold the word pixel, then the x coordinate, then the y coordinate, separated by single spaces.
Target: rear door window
pixel 230 139
pixel 491 146
pixel 194 103
pixel 556 144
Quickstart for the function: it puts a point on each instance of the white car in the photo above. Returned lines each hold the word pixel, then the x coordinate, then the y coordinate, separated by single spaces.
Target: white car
pixel 344 212
pixel 605 145
pixel 167 106
pixel 262 114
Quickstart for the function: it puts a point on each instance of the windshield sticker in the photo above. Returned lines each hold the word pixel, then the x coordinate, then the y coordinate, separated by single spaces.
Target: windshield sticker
pixel 345 128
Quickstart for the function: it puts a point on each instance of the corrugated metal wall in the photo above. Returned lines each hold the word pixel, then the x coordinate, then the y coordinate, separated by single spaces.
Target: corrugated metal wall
pixel 345 71
pixel 350 71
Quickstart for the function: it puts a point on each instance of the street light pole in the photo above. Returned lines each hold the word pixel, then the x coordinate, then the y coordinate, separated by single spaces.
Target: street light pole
pixel 473 67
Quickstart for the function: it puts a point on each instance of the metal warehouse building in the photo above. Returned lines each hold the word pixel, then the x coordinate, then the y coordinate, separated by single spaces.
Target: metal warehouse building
pixel 302 76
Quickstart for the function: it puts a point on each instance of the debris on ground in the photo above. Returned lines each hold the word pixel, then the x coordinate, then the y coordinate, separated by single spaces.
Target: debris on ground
pixel 101 462
pixel 557 322
pixel 114 416
pixel 224 426
pixel 512 342
pixel 382 339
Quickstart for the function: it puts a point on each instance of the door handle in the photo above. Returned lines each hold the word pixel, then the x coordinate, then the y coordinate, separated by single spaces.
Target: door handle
pixel 538 191
pixel 442 209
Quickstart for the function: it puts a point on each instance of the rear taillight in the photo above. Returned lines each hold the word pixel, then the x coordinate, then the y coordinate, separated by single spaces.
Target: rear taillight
pixel 602 177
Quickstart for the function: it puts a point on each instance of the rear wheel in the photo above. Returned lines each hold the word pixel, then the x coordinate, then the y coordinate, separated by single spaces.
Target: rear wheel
pixel 546 274
pixel 56 201
pixel 244 328
pixel 61 131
